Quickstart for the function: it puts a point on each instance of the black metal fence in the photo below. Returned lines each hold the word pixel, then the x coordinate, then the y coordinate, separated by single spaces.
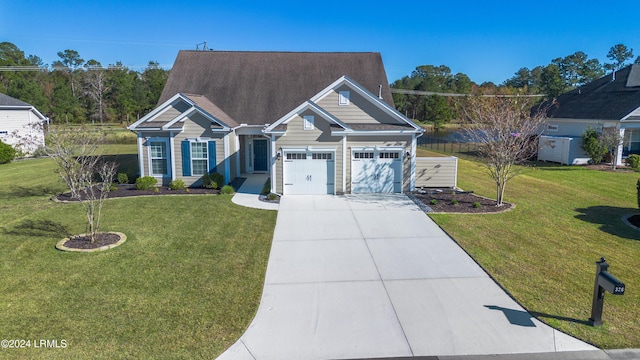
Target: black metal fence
pixel 444 146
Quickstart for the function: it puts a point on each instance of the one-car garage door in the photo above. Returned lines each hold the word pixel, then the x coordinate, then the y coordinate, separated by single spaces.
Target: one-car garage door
pixel 376 171
pixel 309 172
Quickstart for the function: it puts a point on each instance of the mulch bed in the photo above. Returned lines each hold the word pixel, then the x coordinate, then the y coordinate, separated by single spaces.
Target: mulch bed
pixel 445 202
pixel 130 190
pixel 84 241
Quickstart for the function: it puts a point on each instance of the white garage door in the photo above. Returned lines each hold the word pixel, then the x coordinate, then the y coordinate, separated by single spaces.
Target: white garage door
pixel 309 173
pixel 376 171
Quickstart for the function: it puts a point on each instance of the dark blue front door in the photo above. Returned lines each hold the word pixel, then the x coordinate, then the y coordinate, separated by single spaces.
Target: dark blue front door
pixel 260 155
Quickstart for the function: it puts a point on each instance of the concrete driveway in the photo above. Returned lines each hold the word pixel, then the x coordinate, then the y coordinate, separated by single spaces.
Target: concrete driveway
pixel 372 276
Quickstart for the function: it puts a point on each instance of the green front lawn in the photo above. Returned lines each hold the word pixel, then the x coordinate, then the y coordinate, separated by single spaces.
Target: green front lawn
pixel 185 284
pixel 544 251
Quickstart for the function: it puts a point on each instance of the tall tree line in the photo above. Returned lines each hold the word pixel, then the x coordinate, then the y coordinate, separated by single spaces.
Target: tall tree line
pixel 560 75
pixel 73 90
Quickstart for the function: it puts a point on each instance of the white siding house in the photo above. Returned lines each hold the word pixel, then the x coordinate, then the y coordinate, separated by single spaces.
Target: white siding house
pixel 19 124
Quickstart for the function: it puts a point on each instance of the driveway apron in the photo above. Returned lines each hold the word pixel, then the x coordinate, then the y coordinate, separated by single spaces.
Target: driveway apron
pixel 363 276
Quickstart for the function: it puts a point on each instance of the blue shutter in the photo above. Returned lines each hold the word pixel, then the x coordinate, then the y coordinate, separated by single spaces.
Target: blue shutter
pixel 211 151
pixel 186 158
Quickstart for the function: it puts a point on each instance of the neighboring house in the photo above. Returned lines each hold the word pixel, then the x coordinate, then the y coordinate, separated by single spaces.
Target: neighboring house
pixel 318 123
pixel 612 101
pixel 19 124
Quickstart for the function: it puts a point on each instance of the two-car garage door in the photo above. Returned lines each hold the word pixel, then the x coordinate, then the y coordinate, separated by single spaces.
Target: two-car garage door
pixel 376 171
pixel 309 172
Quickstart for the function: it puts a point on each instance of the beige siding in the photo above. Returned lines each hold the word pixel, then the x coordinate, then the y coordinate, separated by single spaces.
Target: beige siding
pixel 372 141
pixel 172 111
pixel 436 172
pixel 319 137
pixel 359 111
pixel 197 126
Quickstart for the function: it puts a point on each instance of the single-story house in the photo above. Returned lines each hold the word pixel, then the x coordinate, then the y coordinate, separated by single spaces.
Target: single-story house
pixel 318 123
pixel 19 124
pixel 612 101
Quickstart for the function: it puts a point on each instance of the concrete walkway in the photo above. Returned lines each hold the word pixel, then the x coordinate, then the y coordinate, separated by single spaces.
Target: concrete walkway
pixel 249 192
pixel 372 277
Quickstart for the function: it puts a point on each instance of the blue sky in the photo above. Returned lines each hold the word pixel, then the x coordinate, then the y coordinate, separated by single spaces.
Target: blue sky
pixel 487 40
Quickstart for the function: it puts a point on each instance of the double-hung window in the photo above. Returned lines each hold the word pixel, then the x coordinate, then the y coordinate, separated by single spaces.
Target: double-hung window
pixel 199 158
pixel 158 158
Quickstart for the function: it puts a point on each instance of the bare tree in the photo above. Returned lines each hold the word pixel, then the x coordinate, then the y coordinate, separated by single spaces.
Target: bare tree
pixel 610 139
pixel 506 132
pixel 88 178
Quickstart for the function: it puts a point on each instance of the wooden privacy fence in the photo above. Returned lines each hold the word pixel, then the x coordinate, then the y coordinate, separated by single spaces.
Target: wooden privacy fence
pixel 436 172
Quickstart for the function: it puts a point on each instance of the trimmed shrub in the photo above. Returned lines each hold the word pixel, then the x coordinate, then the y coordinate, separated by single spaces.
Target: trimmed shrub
pixel 476 205
pixel 454 202
pixel 272 197
pixel 7 153
pixel 177 184
pixel 633 161
pixel 212 181
pixel 433 202
pixel 146 182
pixel 227 189
pixel 123 178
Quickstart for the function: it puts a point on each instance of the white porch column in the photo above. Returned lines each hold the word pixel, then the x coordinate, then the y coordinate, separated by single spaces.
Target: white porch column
pixel 274 164
pixel 414 149
pixel 172 156
pixel 620 148
pixel 344 164
pixel 227 164
pixel 140 155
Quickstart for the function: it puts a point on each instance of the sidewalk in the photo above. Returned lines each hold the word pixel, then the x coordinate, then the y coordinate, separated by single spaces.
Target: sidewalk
pixel 249 192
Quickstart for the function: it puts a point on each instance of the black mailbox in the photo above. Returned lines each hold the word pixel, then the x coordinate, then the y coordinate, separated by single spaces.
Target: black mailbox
pixel 611 283
pixel 604 282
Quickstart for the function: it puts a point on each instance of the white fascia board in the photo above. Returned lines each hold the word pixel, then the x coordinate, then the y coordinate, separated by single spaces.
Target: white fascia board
pixel 374 132
pixel 345 80
pixel 158 110
pixel 194 109
pixel 307 105
pixel 636 110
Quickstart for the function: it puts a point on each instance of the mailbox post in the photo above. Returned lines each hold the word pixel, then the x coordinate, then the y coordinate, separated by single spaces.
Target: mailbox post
pixel 604 281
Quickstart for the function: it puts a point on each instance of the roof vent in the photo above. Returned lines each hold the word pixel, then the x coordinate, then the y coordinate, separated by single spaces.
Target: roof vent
pixel 380 91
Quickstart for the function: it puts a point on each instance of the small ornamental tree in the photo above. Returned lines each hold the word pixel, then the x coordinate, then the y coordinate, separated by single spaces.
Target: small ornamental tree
pixel 592 146
pixel 638 189
pixel 88 178
pixel 506 132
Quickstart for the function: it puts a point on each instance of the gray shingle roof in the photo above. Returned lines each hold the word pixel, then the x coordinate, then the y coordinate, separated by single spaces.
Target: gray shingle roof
pixel 6 100
pixel 261 87
pixel 602 99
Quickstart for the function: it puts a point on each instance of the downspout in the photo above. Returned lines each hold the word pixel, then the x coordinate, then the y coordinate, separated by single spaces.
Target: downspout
pixel 414 149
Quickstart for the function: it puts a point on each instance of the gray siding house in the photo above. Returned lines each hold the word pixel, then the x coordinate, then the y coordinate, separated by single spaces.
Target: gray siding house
pixel 612 101
pixel 318 123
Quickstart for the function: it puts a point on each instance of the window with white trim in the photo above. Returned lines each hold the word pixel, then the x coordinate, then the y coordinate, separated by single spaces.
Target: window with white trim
pixel 199 158
pixel 3 132
pixel 343 97
pixel 307 122
pixel 158 157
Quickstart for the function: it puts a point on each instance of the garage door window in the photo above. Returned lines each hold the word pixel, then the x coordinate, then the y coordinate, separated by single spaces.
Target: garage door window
pixel 296 156
pixel 389 155
pixel 321 156
pixel 363 155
